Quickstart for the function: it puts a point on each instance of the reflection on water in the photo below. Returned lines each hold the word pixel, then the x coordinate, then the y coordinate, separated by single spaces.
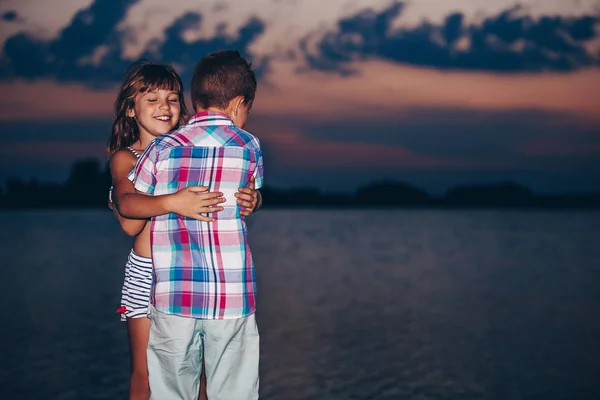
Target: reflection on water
pixel 352 305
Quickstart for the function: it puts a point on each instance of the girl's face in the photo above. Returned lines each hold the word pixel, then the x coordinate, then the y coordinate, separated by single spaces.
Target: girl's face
pixel 156 112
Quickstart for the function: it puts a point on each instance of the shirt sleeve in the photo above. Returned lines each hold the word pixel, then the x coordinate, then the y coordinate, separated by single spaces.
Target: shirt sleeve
pixel 143 175
pixel 258 171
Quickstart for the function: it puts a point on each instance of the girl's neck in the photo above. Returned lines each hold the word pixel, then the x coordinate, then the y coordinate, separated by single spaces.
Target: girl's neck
pixel 143 141
pixel 139 145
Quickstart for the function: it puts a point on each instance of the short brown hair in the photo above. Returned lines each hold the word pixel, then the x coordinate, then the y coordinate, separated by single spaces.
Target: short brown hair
pixel 220 77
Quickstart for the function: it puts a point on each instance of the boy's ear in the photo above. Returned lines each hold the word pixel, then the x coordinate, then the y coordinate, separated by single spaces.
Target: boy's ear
pixel 237 103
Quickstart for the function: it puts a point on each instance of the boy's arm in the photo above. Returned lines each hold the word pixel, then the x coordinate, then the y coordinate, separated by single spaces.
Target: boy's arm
pixel 250 197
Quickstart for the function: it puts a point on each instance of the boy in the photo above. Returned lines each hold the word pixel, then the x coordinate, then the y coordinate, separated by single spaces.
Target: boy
pixel 204 285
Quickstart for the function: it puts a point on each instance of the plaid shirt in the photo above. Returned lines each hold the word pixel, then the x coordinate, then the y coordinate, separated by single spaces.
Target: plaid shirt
pixel 202 269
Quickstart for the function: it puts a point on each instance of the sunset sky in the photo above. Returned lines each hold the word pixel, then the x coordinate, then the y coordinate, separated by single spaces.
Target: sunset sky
pixel 432 92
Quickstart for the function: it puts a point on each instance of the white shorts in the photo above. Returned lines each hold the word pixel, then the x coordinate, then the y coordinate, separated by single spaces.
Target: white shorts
pixel 177 345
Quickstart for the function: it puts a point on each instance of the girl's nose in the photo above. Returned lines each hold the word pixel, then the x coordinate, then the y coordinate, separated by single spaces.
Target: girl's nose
pixel 164 105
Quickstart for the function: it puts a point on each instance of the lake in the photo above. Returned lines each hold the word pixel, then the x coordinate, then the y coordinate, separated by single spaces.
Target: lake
pixel 398 304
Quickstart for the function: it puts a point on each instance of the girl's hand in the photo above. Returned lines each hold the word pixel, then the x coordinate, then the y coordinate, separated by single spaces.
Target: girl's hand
pixel 193 201
pixel 248 198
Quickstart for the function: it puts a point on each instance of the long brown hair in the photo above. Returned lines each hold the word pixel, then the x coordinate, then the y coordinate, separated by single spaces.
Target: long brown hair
pixel 141 76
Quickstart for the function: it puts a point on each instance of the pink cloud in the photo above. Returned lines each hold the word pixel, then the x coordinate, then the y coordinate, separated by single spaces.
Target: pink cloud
pixel 382 88
pixel 51 100
pixel 293 149
pixel 379 90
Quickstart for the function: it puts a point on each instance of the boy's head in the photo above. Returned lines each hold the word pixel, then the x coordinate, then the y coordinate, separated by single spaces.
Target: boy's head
pixel 224 81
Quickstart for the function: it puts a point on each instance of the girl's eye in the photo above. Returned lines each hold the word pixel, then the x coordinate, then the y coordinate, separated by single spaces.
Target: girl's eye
pixel 175 100
pixel 151 100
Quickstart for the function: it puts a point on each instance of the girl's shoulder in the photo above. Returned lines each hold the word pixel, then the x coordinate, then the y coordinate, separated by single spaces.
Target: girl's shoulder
pixel 123 158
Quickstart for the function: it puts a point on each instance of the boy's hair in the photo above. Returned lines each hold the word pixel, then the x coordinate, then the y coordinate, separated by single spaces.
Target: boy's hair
pixel 220 77
pixel 141 76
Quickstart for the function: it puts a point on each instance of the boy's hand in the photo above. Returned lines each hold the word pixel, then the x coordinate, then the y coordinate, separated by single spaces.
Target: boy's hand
pixel 192 201
pixel 248 198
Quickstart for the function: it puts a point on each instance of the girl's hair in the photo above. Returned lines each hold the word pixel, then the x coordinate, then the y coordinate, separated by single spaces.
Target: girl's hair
pixel 141 76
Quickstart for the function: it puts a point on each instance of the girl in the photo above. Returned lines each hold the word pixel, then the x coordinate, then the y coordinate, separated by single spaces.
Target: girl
pixel 150 103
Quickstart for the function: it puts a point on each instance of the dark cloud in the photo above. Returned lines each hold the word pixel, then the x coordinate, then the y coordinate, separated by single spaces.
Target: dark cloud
pixel 9 16
pixel 175 49
pixel 507 42
pixel 480 146
pixel 89 49
pixel 94 130
pixel 63 58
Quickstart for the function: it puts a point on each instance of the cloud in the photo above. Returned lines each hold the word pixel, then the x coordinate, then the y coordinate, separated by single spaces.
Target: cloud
pixel 51 152
pixel 177 49
pixel 561 147
pixel 90 48
pixel 48 100
pixel 431 146
pixel 9 16
pixel 59 130
pixel 434 137
pixel 62 58
pixel 379 91
pixel 507 42
pixel 421 138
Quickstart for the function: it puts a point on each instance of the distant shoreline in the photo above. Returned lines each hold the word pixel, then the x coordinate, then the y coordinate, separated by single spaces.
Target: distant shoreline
pixel 88 184
pixel 373 197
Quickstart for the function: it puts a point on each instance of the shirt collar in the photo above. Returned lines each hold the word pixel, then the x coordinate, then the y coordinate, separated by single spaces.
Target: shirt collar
pixel 210 118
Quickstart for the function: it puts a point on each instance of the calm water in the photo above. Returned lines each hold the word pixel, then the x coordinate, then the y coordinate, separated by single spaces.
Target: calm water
pixel 352 305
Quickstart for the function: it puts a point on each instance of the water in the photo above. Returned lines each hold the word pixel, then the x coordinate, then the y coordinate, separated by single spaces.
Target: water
pixel 352 305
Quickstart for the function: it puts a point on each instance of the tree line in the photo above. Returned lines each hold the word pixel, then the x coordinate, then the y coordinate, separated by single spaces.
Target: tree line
pixel 89 181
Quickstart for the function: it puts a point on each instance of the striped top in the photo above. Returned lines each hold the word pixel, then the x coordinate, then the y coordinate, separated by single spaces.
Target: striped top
pixel 135 153
pixel 202 269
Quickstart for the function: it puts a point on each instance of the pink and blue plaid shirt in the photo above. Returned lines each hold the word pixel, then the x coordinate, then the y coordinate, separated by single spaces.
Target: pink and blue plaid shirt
pixel 202 269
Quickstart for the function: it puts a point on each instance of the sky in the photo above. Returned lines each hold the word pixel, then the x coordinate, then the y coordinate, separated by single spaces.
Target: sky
pixel 432 92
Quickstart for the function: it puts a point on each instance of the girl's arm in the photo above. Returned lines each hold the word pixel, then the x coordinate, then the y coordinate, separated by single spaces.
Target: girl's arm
pixel 132 227
pixel 120 165
pixel 189 202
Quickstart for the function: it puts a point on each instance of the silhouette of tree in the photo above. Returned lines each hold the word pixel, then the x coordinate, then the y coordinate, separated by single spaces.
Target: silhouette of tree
pixel 502 194
pixel 88 183
pixel 392 193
